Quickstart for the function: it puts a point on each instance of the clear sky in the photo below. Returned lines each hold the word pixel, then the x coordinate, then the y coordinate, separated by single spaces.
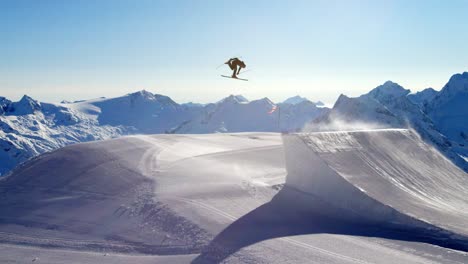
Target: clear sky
pixel 54 50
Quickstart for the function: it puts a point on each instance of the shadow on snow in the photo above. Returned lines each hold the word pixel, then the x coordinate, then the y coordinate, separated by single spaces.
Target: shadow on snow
pixel 292 212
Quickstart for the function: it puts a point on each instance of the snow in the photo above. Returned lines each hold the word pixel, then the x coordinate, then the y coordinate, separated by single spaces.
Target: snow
pixel 380 174
pixel 361 109
pixel 389 106
pixel 449 109
pixel 423 97
pixel 214 198
pixel 295 100
pixel 232 115
pixel 25 106
pixel 28 127
pixel 234 99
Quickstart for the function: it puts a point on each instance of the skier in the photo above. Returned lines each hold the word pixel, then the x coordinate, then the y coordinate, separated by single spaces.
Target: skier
pixel 236 65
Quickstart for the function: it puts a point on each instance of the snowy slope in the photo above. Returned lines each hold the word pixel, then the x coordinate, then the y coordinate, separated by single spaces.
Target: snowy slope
pixel 215 199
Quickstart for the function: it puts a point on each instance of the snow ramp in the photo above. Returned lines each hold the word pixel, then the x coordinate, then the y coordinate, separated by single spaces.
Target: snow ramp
pixel 386 175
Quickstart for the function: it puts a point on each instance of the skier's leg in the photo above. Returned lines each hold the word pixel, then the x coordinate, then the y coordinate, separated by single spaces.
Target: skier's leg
pixel 234 72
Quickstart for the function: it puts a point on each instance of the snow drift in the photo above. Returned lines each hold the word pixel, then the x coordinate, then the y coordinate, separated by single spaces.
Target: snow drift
pixel 386 175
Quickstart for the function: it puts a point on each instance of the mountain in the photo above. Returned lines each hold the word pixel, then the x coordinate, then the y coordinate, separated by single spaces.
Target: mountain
pixel 25 106
pixel 449 109
pixel 295 100
pixel 319 103
pixel 389 105
pixel 298 99
pixel 234 115
pixel 423 97
pixel 29 127
pixel 192 104
pixel 234 98
pixel 144 111
pixel 4 103
pixel 348 112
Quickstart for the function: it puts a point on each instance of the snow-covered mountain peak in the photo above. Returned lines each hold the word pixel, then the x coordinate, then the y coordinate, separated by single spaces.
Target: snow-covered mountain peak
pixel 4 103
pixel 459 76
pixel 234 99
pixel 388 91
pixel 319 103
pixel 145 97
pixel 143 94
pixel 449 112
pixel 264 100
pixel 457 83
pixel 423 97
pixel 363 106
pixel 262 103
pixel 342 99
pixel 25 106
pixel 456 90
pixel 295 100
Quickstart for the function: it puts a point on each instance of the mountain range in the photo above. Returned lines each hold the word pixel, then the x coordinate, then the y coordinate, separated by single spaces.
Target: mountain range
pixel 29 127
pixel 440 118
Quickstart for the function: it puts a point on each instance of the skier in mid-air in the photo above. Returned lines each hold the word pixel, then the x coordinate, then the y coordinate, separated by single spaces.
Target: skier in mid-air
pixel 236 65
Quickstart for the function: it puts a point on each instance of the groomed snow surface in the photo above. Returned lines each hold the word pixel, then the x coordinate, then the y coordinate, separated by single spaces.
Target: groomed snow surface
pixel 381 196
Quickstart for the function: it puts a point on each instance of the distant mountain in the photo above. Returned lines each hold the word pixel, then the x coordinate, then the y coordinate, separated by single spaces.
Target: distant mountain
pixel 192 104
pixel 319 103
pixel 298 99
pixel 389 105
pixel 361 109
pixel 423 97
pixel 143 111
pixel 234 115
pixel 295 100
pixel 29 127
pixel 234 98
pixel 449 109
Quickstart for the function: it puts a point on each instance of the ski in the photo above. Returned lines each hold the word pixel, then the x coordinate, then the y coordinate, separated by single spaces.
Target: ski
pixel 234 78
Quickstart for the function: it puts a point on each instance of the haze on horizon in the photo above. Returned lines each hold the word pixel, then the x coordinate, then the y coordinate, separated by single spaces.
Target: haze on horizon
pixel 54 50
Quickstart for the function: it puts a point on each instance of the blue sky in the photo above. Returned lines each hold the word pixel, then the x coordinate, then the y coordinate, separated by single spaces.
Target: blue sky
pixel 54 50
